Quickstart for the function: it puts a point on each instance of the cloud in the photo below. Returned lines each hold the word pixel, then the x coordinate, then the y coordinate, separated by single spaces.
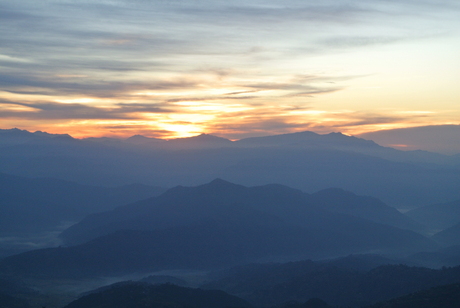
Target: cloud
pixel 65 111
pixel 266 121
pixel 137 59
pixel 358 41
pixel 88 85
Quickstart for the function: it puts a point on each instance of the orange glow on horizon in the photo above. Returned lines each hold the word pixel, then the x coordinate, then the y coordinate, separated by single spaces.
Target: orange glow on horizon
pixel 166 131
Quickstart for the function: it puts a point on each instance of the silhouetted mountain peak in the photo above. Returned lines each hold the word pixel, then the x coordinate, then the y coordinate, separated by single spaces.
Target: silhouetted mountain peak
pixel 138 137
pixel 139 140
pixel 140 294
pixel 308 138
pixel 279 139
pixel 220 183
pixel 346 202
pixel 335 192
pixel 202 139
pixel 209 137
pixel 14 130
pixel 64 137
pixel 47 135
pixel 217 189
pixel 15 136
pixel 337 134
pixel 220 186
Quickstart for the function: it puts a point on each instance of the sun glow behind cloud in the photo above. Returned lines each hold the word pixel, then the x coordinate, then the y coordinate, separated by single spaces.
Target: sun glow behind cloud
pixel 176 69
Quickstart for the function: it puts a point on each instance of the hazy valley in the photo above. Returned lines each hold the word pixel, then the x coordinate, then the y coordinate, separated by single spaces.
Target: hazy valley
pixel 294 220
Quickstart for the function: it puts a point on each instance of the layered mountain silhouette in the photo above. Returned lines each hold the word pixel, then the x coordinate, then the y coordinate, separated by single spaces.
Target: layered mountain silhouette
pixel 11 137
pixel 446 256
pixel 219 199
pixel 449 236
pixel 8 301
pixel 340 201
pixel 447 296
pixel 210 226
pixel 304 160
pixel 34 211
pixel 437 216
pixel 43 203
pixel 144 295
pixel 436 138
pixel 264 285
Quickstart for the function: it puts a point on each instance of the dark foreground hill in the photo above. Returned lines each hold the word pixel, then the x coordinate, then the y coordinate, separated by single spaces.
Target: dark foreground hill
pixel 447 296
pixel 311 303
pixel 143 295
pixel 7 301
pixel 269 284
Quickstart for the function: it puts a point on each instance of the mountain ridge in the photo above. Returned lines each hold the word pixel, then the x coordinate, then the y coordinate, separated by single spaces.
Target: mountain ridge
pixel 188 204
pixel 333 160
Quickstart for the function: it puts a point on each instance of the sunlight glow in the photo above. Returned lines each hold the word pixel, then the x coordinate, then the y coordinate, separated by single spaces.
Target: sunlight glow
pixel 376 65
pixel 212 107
pixel 77 100
pixel 180 130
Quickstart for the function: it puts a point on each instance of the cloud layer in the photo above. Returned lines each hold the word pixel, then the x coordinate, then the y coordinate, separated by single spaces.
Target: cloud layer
pixel 234 69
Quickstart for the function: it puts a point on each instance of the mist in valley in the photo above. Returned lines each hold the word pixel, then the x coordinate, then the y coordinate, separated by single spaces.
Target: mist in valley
pixel 245 231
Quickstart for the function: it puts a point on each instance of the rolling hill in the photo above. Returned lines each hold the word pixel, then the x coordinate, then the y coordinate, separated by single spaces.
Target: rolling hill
pixel 143 295
pixel 437 216
pixel 211 226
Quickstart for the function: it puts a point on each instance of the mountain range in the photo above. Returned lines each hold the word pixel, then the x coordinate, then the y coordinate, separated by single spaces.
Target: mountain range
pixel 335 203
pixel 219 199
pixel 449 236
pixel 304 160
pixel 437 216
pixel 436 138
pixel 143 295
pixel 335 282
pixel 216 225
pixel 447 296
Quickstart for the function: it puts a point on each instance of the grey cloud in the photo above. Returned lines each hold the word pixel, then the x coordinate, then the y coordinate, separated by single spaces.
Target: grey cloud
pixel 53 110
pixel 263 121
pixel 89 86
pixel 357 41
pixel 112 40
pixel 156 27
pixel 298 89
pixel 257 126
pixel 362 118
pixel 210 98
pixel 312 92
pixel 151 108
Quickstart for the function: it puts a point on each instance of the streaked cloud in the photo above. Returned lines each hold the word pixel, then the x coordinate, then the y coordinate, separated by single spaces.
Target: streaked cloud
pixel 246 65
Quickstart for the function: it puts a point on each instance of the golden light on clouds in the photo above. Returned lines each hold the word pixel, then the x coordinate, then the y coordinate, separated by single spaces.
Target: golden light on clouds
pixel 175 70
pixel 85 100
pixel 180 130
pixel 16 108
pixel 211 108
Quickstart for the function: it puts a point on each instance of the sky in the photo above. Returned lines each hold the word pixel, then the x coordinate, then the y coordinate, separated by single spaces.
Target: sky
pixel 235 69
